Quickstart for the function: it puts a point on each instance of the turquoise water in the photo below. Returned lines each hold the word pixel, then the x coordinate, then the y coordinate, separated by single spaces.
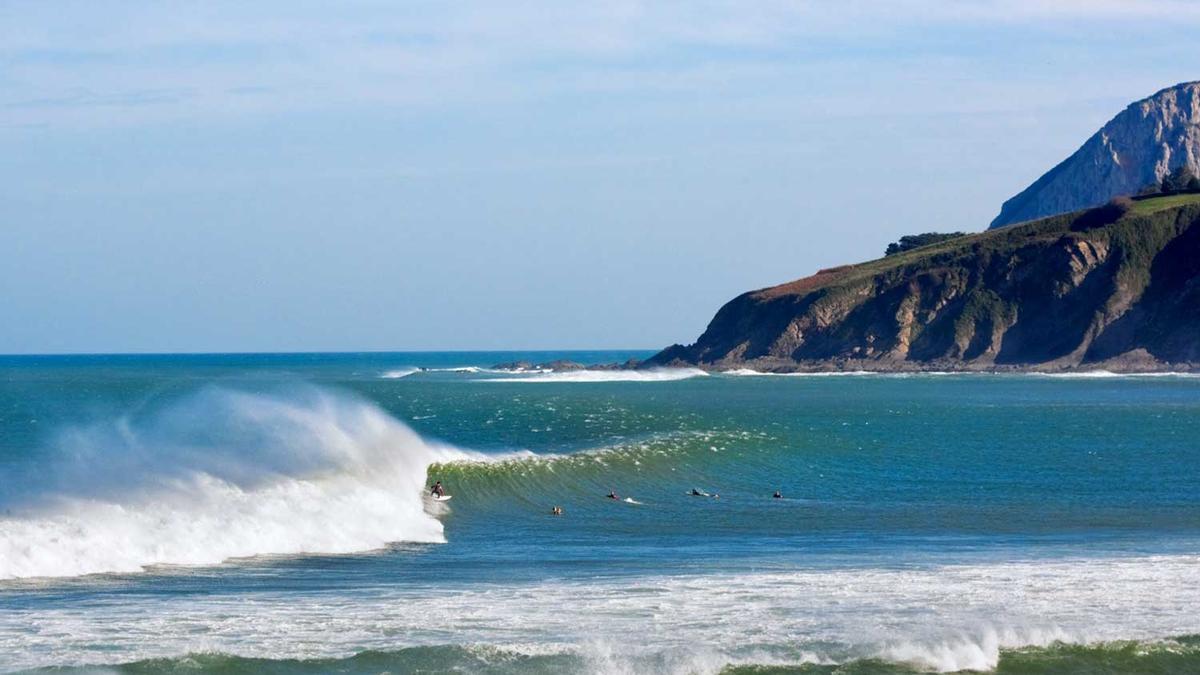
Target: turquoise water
pixel 265 513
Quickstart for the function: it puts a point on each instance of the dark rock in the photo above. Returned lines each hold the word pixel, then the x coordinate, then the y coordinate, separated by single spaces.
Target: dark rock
pixel 560 365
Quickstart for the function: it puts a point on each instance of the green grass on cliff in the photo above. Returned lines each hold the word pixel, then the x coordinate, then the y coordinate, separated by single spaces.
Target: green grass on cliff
pixel 1147 206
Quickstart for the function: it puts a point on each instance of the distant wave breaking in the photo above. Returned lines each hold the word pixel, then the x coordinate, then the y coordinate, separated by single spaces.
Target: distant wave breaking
pixel 1108 374
pixel 399 373
pixel 623 375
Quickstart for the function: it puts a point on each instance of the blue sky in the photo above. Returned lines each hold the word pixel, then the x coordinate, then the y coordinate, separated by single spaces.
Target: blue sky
pixel 230 176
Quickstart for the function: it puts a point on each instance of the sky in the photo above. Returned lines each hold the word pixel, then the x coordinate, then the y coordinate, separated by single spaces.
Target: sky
pixel 314 176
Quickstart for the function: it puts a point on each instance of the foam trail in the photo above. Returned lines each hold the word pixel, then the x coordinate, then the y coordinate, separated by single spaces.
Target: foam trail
pixel 653 375
pixel 1108 374
pixel 749 372
pixel 460 370
pixel 398 373
pixel 220 475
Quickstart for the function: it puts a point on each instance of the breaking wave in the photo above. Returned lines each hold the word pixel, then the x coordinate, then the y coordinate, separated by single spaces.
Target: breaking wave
pixel 653 375
pixel 1173 655
pixel 222 474
pixel 1108 374
pixel 399 373
pixel 458 370
pixel 748 372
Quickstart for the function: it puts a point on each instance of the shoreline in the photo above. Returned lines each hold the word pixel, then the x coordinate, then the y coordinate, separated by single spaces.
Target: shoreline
pixel 855 366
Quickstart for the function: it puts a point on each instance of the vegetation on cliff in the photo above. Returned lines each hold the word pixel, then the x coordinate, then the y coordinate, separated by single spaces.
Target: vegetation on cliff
pixel 1118 285
pixel 910 241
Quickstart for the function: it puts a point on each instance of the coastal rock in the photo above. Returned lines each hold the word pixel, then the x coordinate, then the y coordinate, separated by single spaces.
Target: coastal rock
pixel 562 365
pixel 1136 149
pixel 515 366
pixel 1059 293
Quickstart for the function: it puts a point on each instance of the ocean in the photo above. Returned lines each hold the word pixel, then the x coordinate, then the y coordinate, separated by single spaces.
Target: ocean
pixel 269 514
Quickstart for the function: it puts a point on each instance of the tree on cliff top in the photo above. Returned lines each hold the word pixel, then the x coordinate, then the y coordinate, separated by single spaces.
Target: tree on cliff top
pixel 911 241
pixel 1180 180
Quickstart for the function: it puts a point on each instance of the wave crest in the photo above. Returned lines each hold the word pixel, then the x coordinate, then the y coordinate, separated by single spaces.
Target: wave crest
pixel 223 474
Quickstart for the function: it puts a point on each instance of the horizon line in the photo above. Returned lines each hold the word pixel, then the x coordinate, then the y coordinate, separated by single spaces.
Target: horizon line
pixel 326 352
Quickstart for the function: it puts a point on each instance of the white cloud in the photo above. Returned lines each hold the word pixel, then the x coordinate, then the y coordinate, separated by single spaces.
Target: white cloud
pixel 96 63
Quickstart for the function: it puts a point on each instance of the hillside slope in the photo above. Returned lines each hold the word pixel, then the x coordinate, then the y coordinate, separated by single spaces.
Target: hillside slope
pixel 1139 146
pixel 1063 292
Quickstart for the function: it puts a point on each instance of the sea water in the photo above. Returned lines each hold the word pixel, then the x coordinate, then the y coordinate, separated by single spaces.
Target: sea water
pixel 266 513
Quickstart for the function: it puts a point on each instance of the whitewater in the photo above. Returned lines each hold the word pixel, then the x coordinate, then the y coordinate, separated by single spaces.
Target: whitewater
pixel 937 618
pixel 224 474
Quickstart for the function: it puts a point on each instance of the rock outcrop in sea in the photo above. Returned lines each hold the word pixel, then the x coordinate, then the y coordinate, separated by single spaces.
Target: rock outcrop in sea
pixel 1145 142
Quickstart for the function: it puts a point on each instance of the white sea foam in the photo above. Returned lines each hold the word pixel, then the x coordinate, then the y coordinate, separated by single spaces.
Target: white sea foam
pixel 943 618
pixel 1107 374
pixel 744 372
pixel 461 370
pixel 1073 375
pixel 399 373
pixel 652 375
pixel 221 475
pixel 749 372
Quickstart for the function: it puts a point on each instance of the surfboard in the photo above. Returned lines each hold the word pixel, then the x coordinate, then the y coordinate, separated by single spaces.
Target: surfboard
pixel 443 498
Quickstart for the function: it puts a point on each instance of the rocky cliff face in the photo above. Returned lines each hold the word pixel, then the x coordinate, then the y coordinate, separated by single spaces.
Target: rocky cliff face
pixel 1145 142
pixel 1078 290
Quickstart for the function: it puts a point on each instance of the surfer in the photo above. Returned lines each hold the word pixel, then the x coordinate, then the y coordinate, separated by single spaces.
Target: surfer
pixel 437 490
pixel 697 493
pixel 556 511
pixel 777 495
pixel 612 495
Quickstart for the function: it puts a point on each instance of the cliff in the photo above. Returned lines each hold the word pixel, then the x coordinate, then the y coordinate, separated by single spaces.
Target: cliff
pixel 1136 149
pixel 1113 288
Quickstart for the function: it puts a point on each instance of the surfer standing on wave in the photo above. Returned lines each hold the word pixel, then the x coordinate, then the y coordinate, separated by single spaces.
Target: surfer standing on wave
pixel 437 490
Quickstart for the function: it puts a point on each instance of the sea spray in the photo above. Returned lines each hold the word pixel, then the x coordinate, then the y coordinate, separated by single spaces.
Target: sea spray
pixel 223 474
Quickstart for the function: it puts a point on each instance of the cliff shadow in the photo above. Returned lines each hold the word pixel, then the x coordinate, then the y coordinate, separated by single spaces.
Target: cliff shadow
pixel 1165 321
pixel 1055 315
